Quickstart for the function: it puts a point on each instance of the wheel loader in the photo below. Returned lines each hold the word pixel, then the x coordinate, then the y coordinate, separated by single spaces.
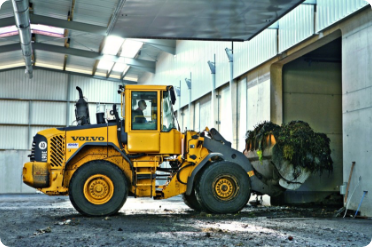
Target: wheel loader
pixel 99 165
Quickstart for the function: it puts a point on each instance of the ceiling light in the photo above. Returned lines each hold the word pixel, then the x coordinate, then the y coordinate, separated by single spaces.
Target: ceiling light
pixel 8 31
pixel 112 45
pixel 120 67
pixel 131 78
pixel 47 30
pixel 45 65
pixel 35 28
pixel 130 48
pixel 14 65
pixel 77 70
pixel 105 65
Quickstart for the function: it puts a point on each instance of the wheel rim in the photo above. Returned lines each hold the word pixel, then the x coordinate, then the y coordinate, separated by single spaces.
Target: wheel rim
pixel 98 189
pixel 225 188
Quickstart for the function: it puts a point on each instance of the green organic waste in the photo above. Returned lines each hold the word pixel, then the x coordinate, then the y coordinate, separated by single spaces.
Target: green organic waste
pixel 295 142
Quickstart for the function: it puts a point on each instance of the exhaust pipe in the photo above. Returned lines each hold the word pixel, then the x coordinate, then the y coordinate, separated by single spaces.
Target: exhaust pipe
pixel 81 109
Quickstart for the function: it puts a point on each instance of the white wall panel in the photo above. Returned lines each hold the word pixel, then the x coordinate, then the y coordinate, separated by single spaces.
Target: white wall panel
pixel 242 111
pixel 205 112
pixel 14 112
pixel 48 113
pixel 11 164
pixel 258 102
pixel 296 26
pixel 44 85
pixel 95 90
pixel 13 137
pixel 331 11
pixel 225 127
pixel 197 117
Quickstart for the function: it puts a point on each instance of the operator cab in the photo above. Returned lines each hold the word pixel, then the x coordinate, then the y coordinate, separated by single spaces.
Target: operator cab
pixel 149 118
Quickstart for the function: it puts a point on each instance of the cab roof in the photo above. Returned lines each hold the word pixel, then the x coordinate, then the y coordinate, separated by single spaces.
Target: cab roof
pixel 147 87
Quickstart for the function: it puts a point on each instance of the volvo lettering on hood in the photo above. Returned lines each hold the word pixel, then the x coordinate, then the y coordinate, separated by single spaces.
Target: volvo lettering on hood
pixel 88 138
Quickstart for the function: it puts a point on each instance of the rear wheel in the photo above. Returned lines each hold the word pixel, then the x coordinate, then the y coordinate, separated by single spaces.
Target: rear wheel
pixel 223 187
pixel 98 188
pixel 192 201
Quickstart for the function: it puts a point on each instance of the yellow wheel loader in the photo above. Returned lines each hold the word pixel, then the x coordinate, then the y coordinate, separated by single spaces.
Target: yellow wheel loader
pixel 99 165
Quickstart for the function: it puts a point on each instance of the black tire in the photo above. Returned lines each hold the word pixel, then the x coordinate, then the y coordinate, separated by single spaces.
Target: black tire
pixel 223 188
pixel 192 201
pixel 92 172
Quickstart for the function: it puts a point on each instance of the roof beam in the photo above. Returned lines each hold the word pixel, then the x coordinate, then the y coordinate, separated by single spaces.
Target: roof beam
pixel 9 21
pixel 148 66
pixel 70 15
pixel 73 73
pixel 163 45
pixel 49 21
pixel 72 25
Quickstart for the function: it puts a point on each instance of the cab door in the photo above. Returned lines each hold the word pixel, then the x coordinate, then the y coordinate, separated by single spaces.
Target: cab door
pixel 143 120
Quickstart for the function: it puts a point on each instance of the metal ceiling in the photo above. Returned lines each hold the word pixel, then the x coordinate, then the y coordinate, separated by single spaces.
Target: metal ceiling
pixel 158 22
pixel 236 20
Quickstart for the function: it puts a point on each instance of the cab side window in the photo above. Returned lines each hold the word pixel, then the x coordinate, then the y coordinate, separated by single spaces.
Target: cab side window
pixel 144 110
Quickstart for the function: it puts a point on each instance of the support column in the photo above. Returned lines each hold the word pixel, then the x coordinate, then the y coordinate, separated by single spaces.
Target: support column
pixel 188 83
pixel 179 115
pixel 229 53
pixel 29 123
pixel 68 100
pixel 212 67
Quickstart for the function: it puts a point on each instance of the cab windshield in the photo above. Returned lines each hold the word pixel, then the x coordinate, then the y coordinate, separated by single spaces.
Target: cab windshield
pixel 169 120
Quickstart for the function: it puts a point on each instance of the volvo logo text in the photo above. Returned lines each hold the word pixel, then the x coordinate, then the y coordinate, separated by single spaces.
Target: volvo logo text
pixel 88 138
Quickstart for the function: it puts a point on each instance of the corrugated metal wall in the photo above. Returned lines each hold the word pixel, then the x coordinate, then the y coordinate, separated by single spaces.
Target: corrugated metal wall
pixel 296 26
pixel 45 85
pixel 250 54
pixel 31 105
pixel 331 11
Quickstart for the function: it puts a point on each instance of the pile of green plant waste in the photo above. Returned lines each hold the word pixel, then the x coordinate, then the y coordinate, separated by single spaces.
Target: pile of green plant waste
pixel 295 142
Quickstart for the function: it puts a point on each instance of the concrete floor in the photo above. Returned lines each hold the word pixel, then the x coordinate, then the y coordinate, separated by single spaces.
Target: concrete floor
pixel 40 220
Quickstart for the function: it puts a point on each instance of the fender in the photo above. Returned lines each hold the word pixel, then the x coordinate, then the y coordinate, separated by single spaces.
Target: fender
pixel 104 144
pixel 190 180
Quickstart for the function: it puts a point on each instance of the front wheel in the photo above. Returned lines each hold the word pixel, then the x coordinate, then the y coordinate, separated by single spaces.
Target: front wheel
pixel 192 201
pixel 98 188
pixel 223 187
